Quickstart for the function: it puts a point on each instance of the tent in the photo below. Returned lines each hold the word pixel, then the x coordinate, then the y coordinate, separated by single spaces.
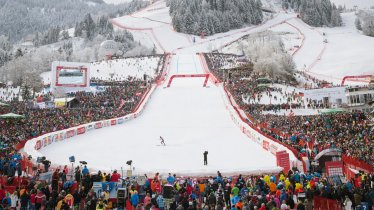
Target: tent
pixel 263 80
pixel 3 104
pixel 334 111
pixel 11 116
pixel 68 102
pixel 328 152
pixel 263 85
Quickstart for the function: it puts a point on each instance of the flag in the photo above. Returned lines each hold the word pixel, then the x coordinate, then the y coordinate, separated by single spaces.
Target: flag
pixel 291 114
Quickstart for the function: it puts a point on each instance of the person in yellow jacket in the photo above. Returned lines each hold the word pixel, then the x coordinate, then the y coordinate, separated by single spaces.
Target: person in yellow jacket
pixel 69 199
pixel 287 183
pixel 100 205
pixel 267 179
pixel 282 178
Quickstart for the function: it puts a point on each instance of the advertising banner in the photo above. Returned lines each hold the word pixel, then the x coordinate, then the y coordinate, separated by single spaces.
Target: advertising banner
pixel 81 130
pixel 69 134
pixel 98 125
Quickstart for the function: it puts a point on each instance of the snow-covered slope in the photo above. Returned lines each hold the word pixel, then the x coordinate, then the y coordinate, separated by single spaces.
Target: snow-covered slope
pixel 348 52
pixel 120 69
pixel 189 117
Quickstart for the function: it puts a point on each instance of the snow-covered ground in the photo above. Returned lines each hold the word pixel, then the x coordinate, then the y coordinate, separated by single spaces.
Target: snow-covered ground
pixel 189 117
pixel 154 22
pixel 277 96
pixel 193 119
pixel 350 4
pixel 123 68
pixel 348 52
pixel 119 69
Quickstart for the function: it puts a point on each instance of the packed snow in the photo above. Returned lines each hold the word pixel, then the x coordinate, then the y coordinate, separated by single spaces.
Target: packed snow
pixel 120 69
pixel 204 123
pixel 342 57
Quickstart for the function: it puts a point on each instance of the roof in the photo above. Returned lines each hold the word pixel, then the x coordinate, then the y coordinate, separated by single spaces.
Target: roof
pixel 11 116
pixel 63 100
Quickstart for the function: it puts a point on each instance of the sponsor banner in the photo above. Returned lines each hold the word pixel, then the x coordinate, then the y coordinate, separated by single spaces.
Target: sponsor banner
pixel 98 125
pixel 273 149
pixel 38 145
pixel 46 176
pixel 113 122
pixel 54 138
pixel 90 127
pixel 120 121
pixel 81 130
pixel 49 140
pixel 45 141
pixel 69 134
pixel 61 136
pixel 106 123
pixel 112 187
pixel 265 145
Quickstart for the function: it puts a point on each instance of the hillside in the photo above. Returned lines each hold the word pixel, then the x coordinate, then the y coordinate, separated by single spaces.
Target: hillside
pixel 22 18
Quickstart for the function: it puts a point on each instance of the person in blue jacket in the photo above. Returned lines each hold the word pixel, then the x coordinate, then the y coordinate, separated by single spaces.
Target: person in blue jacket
pixel 170 179
pixel 85 170
pixel 134 199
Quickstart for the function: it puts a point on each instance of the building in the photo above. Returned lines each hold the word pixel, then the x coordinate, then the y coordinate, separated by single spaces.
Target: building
pixel 359 98
pixel 330 97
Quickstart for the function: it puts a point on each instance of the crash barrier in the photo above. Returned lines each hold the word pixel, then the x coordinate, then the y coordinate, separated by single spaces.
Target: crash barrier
pixel 357 164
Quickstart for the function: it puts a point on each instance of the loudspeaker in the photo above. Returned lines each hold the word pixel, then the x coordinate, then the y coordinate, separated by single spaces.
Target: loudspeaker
pixel 72 159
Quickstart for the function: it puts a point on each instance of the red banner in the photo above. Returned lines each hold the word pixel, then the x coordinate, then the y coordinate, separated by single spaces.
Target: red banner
pixel 113 122
pixel 283 160
pixel 70 133
pixel 265 145
pixel 334 168
pixel 81 130
pixel 273 149
pixel 357 164
pixel 98 125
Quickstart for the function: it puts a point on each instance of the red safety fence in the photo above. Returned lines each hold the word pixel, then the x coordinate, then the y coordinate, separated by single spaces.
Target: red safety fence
pixel 326 204
pixel 357 164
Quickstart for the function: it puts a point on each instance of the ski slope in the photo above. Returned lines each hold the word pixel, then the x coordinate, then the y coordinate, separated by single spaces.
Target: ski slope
pixel 189 117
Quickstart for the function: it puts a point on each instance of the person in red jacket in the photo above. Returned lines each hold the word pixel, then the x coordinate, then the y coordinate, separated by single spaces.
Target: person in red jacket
pixel 115 176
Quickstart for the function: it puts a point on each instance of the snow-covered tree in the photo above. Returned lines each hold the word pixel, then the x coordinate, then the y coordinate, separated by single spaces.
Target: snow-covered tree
pixel 214 16
pixel 316 12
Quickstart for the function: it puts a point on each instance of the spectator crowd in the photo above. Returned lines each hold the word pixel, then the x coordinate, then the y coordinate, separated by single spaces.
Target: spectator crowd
pixel 292 190
pixel 352 132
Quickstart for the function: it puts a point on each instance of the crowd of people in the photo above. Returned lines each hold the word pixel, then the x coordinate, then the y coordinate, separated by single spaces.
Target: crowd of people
pixel 292 190
pixel 115 100
pixel 351 132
